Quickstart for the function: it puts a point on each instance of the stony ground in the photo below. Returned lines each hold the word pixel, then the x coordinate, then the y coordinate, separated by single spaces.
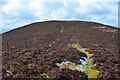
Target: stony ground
pixel 33 50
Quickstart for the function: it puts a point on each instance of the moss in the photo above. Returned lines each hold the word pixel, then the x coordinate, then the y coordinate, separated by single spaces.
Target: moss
pixel 87 66
pixel 92 73
pixel 78 47
pixel 30 66
pixel 88 54
pixel 71 66
pixel 90 70
pixel 48 77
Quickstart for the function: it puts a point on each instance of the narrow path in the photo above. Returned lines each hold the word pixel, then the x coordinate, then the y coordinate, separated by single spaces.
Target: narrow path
pixel 62 29
pixel 57 39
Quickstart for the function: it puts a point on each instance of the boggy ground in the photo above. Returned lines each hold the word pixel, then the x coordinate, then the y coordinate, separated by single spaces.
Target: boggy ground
pixel 32 51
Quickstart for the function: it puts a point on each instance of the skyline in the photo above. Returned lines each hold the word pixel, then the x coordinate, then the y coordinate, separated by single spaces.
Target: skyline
pixel 18 13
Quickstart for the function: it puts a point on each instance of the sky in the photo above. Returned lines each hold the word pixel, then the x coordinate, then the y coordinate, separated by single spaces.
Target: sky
pixel 17 13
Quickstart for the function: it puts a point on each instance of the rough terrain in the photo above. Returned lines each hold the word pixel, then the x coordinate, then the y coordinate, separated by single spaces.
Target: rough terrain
pixel 32 50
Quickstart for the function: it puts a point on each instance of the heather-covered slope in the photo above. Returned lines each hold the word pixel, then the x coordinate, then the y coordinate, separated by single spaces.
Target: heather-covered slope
pixel 43 44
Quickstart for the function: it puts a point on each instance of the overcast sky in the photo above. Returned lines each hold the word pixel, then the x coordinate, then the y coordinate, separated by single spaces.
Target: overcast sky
pixel 16 13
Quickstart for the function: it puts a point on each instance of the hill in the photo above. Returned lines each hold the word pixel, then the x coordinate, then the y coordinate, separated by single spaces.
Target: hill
pixel 43 44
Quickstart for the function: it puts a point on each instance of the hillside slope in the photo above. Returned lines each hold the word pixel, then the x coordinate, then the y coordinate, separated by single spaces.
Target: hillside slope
pixel 45 43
